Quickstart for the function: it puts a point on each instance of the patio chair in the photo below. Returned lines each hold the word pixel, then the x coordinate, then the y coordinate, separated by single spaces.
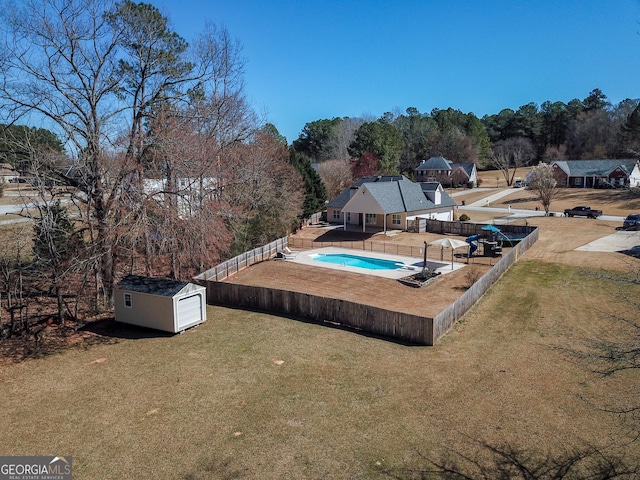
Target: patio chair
pixel 281 255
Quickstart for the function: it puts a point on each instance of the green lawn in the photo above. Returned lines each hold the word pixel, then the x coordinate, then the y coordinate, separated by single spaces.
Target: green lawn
pixel 251 395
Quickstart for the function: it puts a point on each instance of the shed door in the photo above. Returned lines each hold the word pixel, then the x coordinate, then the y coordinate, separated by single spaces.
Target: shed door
pixel 189 310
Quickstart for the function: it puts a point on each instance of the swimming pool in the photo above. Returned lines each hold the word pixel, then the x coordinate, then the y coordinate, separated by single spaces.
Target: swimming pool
pixel 397 265
pixel 347 260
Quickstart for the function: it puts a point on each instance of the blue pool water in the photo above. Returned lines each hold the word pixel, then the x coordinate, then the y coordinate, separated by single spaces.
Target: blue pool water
pixel 358 261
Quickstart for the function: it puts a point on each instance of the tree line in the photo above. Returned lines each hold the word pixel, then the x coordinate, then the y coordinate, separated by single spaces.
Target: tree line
pixel 152 160
pixel 592 128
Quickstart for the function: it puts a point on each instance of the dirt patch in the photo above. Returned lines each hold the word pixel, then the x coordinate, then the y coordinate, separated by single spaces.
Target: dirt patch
pixel 428 301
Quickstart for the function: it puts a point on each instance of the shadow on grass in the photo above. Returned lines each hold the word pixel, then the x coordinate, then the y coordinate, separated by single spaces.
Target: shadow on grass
pixel 57 339
pixel 109 328
pixel 328 324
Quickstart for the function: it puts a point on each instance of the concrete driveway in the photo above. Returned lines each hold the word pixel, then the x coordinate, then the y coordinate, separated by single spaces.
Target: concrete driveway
pixel 618 242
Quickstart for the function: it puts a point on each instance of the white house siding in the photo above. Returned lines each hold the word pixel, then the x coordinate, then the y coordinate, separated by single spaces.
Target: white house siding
pixel 363 202
pixel 444 216
pixel 634 178
pixel 151 311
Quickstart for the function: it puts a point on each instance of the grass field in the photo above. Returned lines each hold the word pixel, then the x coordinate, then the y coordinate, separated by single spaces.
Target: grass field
pixel 250 395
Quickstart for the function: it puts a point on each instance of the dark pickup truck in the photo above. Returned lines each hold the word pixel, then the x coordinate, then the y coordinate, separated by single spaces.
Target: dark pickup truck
pixel 582 211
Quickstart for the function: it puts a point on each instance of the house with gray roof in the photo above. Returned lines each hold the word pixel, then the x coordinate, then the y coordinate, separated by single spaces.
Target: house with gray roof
pixel 389 202
pixel 8 173
pixel 439 169
pixel 597 173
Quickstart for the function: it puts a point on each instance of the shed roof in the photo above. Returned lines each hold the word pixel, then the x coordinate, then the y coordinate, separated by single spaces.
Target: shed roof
pixel 156 286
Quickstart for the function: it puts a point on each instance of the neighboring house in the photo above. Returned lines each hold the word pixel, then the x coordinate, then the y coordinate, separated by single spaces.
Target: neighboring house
pixel 190 192
pixel 389 202
pixel 439 169
pixel 597 173
pixel 464 173
pixel 8 173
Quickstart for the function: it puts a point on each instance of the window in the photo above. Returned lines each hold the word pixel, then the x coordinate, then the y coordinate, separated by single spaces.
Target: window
pixel 396 219
pixel 370 218
pixel 348 217
pixel 577 181
pixel 336 214
pixel 127 300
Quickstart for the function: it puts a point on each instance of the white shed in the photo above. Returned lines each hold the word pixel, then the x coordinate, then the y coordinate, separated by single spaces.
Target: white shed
pixel 168 305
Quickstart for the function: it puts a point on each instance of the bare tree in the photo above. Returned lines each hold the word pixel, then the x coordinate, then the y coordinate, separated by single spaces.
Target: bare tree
pixel 511 154
pixel 615 353
pixel 13 252
pixel 60 63
pixel 542 180
pixel 510 462
pixel 554 153
pixel 263 191
pixel 184 213
pixel 336 176
pixel 99 72
pixel 344 135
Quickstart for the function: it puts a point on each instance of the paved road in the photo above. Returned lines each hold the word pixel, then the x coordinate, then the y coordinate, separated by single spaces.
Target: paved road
pixel 15 209
pixel 495 194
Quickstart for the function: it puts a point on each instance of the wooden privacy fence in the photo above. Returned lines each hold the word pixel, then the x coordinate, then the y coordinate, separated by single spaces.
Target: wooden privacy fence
pixel 445 319
pixel 465 229
pixel 403 326
pixel 406 327
pixel 234 265
pixel 366 245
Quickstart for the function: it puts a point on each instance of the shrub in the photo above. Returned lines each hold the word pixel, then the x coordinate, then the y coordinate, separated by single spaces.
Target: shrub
pixel 464 217
pixel 471 276
pixel 471 184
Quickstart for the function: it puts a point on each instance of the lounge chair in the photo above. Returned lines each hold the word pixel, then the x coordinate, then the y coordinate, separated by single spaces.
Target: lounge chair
pixel 290 252
pixel 283 256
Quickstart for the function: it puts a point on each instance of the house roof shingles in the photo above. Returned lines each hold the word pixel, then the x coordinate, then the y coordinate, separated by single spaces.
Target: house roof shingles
pixel 588 168
pixel 153 286
pixel 467 167
pixel 434 163
pixel 445 198
pixel 343 197
pixel 396 194
pixel 401 196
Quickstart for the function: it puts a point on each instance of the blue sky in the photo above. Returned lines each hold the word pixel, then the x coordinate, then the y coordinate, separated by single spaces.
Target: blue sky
pixel 308 60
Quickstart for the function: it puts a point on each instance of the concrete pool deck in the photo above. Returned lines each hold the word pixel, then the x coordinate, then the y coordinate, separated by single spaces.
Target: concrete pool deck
pixel 413 265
